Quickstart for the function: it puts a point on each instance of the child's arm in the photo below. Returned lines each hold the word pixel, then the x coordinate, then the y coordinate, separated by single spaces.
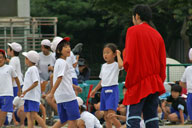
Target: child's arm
pixel 78 88
pixel 30 88
pixel 182 84
pixel 181 116
pixel 92 94
pixel 119 59
pixel 56 85
pixel 18 85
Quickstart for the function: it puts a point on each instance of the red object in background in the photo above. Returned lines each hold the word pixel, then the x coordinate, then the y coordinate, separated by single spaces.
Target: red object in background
pixel 88 96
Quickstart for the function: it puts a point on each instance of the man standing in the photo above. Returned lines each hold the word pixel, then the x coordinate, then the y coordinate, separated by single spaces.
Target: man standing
pixel 145 64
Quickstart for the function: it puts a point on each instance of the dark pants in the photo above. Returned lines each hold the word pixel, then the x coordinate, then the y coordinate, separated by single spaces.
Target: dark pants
pixel 148 106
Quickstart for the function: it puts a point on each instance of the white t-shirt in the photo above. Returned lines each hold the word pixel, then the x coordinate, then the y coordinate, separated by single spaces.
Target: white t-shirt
pixel 18 102
pixel 43 65
pixel 15 63
pixel 71 60
pixel 64 92
pixel 187 77
pixel 109 74
pixel 90 120
pixel 31 76
pixel 6 74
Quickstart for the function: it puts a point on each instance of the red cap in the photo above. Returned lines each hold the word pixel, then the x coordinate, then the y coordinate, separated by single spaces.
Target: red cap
pixel 67 39
pixel 4 53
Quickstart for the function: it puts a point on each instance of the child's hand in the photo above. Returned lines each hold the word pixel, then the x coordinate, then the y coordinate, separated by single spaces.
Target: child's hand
pixel 92 94
pixel 49 96
pixel 111 115
pixel 19 93
pixel 23 94
pixel 118 52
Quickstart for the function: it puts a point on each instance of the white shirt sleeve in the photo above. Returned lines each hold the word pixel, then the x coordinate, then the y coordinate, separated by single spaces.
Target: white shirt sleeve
pixel 34 76
pixel 100 75
pixel 62 67
pixel 13 73
pixel 183 79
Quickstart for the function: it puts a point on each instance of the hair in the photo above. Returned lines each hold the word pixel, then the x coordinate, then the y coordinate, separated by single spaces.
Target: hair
pixel 112 46
pixel 3 53
pixel 46 47
pixel 59 48
pixel 14 52
pixel 144 11
pixel 176 88
pixel 82 108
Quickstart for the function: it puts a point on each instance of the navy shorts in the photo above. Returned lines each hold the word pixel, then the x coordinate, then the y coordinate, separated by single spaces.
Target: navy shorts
pixel 31 106
pixel 189 105
pixel 15 90
pixel 177 112
pixel 109 98
pixel 75 81
pixel 68 111
pixel 6 103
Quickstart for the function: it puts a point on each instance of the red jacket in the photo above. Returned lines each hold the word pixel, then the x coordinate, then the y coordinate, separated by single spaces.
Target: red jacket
pixel 145 63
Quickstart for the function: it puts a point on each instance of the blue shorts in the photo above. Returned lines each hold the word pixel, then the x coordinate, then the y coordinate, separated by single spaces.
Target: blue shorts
pixel 189 105
pixel 15 90
pixel 68 111
pixel 75 81
pixel 16 117
pixel 177 112
pixel 6 103
pixel 109 98
pixel 31 106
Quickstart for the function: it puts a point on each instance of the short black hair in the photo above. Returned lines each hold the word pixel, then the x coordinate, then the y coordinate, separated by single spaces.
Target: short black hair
pixel 46 47
pixel 15 53
pixel 59 48
pixel 176 88
pixel 144 11
pixel 112 46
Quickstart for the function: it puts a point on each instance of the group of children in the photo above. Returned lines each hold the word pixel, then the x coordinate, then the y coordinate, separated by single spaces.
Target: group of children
pixel 59 69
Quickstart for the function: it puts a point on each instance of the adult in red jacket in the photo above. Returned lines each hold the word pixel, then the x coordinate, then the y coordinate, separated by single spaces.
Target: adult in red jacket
pixel 145 64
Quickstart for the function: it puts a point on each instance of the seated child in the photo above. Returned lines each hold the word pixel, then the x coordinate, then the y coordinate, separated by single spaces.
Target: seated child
pixel 175 106
pixel 87 119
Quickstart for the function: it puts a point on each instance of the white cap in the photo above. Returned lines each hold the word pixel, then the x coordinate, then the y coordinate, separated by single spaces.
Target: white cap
pixel 33 56
pixel 80 101
pixel 15 46
pixel 55 42
pixel 190 54
pixel 46 42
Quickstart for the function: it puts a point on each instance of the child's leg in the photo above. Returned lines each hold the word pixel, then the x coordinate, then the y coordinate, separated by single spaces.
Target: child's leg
pixel 114 119
pixel 39 120
pixel 22 115
pixel 29 120
pixel 58 124
pixel 173 117
pixel 72 123
pixel 107 120
pixel 2 117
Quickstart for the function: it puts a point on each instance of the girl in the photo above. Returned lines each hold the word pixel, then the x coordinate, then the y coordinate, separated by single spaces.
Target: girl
pixel 62 90
pixel 109 83
pixel 6 87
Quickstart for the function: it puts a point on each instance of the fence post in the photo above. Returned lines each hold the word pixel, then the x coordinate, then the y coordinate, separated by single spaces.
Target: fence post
pixel 167 72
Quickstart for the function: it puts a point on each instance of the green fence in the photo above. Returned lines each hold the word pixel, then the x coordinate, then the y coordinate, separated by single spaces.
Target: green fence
pixel 174 72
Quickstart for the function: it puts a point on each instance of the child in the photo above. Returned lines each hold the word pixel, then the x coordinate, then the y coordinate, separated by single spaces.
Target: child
pixel 186 82
pixel 13 51
pixel 109 83
pixel 6 87
pixel 31 89
pixel 176 110
pixel 87 119
pixel 62 90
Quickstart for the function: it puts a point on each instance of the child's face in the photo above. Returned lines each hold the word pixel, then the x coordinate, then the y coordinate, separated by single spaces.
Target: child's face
pixel 108 55
pixel 9 52
pixel 175 95
pixel 66 51
pixel 2 60
pixel 44 50
pixel 28 62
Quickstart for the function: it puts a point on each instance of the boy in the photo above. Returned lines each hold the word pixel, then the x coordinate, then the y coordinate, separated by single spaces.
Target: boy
pixel 13 51
pixel 31 89
pixel 6 88
pixel 186 82
pixel 175 106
